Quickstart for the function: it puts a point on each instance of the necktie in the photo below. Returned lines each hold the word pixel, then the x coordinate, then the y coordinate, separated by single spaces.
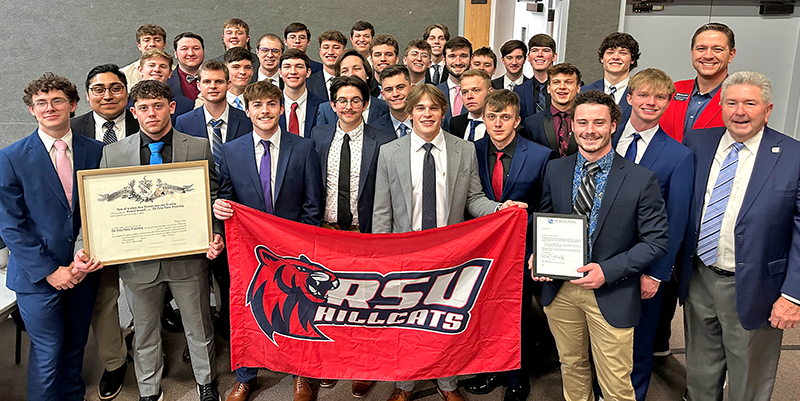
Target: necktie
pixel 265 174
pixel 216 140
pixel 191 78
pixel 497 177
pixel 540 102
pixel 64 169
pixel 585 199
pixel 294 123
pixel 343 213
pixel 457 102
pixel 715 210
pixel 563 133
pixel 155 152
pixel 472 125
pixel 612 90
pixel 238 104
pixel 512 85
pixel 428 189
pixel 402 130
pixel 109 136
pixel 630 154
pixel 436 74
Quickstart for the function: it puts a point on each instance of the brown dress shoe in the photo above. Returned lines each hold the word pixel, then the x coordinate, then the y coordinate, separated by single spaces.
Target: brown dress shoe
pixel 327 383
pixel 240 391
pixel 304 390
pixel 454 395
pixel 400 395
pixel 362 387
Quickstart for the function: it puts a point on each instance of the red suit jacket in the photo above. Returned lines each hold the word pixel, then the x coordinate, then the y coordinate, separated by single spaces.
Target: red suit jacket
pixel 672 122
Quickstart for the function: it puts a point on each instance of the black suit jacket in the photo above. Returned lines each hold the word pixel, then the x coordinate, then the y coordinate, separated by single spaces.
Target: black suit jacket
pixel 458 125
pixel 443 75
pixel 497 83
pixel 539 128
pixel 84 124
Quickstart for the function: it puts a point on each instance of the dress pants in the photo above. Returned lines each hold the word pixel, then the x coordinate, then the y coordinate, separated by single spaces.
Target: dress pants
pixel 644 336
pixel 717 343
pixel 58 327
pixel 444 383
pixel 575 318
pixel 147 301
pixel 105 321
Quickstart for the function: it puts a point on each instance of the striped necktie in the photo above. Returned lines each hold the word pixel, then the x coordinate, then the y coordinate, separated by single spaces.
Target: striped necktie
pixel 109 136
pixel 584 202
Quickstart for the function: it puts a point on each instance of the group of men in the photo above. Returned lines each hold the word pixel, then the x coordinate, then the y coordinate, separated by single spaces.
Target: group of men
pixel 363 142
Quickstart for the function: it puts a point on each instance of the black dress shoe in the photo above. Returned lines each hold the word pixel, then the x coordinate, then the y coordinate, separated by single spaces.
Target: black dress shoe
pixel 157 397
pixel 111 382
pixel 483 383
pixel 517 393
pixel 170 320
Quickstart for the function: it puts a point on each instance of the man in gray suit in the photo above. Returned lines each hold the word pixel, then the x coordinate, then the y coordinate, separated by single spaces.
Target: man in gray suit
pixel 424 180
pixel 187 276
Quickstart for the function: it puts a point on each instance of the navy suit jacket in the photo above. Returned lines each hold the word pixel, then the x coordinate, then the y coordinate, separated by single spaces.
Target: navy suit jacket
pixel 37 223
pixel 297 197
pixel 85 124
pixel 673 164
pixel 194 123
pixel 497 83
pixel 624 106
pixel 384 123
pixel 767 231
pixel 449 114
pixel 539 128
pixel 312 108
pixel 377 109
pixel 316 85
pixel 316 67
pixel 373 139
pixel 635 237
pixel 527 104
pixel 174 82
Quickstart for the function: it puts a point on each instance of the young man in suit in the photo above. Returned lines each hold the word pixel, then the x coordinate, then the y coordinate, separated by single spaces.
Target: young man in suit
pixel 236 33
pixel 619 54
pixel 39 222
pixel 187 277
pixel 436 35
pixel 553 126
pixel 642 141
pixel 696 103
pixel 352 63
pixel 396 87
pixel 156 64
pixel 301 105
pixel 627 233
pixel 457 53
pixel 148 36
pixel 740 273
pixel 533 96
pixel 240 68
pixel 265 156
pixel 512 53
pixel 331 45
pixel 297 36
pixel 190 52
pixel 422 156
pixel 361 36
pixel 384 51
pixel 269 51
pixel 476 84
pixel 484 59
pixel 417 57
pixel 510 167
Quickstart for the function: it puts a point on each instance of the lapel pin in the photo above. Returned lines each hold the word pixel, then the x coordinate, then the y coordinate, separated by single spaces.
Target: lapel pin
pixel 776 149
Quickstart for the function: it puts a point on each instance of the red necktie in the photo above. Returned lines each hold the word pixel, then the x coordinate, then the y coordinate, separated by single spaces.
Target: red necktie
pixel 294 124
pixel 497 177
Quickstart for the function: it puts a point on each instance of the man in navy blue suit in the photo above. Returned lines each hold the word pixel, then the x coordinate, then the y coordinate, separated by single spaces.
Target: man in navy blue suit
pixel 396 85
pixel 619 54
pixel 297 36
pixel 510 167
pixel 253 172
pixel 39 222
pixel 457 54
pixel 300 104
pixel 553 126
pixel 642 141
pixel 190 52
pixel 533 96
pixel 627 233
pixel 331 45
pixel 740 271
pixel 351 62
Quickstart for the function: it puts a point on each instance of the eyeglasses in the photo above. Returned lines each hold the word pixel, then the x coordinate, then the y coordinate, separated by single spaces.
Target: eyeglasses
pixel 57 103
pixel 100 90
pixel 268 50
pixel 355 102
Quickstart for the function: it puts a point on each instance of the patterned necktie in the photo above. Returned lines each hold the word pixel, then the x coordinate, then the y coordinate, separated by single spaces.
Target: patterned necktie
pixel 64 169
pixel 294 123
pixel 512 85
pixel 265 174
pixel 457 102
pixel 612 90
pixel 402 130
pixel 563 133
pixel 344 215
pixel 633 149
pixel 238 104
pixel 216 140
pixel 584 202
pixel 428 189
pixel 472 125
pixel 497 177
pixel 155 152
pixel 715 210
pixel 109 136
pixel 540 102
pixel 436 74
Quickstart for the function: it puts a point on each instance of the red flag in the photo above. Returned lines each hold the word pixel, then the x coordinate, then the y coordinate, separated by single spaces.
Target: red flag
pixel 333 304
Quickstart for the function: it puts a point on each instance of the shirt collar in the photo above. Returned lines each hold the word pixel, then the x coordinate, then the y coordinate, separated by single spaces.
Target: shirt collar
pixel 417 141
pixel 118 122
pixel 287 103
pixel 507 80
pixel 554 110
pixel 604 162
pixel 508 150
pixel 396 122
pixel 166 139
pixel 275 140
pixel 49 141
pixel 354 134
pixel 647 135
pixel 223 117
pixel 710 93
pixel 327 76
pixel 621 85
pixel 751 144
pixel 230 97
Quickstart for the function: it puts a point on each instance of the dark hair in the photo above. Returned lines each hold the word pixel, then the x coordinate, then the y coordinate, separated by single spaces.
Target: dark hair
pixel 500 99
pixel 362 26
pixel 542 40
pixel 598 97
pixel 512 45
pixel 419 44
pixel 566 69
pixel 237 54
pixel 261 90
pixel 716 26
pixel 623 40
pixel 420 90
pixel 51 82
pixel 273 37
pixel 102 69
pixel 294 53
pixel 213 65
pixel 296 27
pixel 385 40
pixel 434 26
pixel 341 82
pixel 486 52
pixel 238 23
pixel 393 70
pixel 151 30
pixel 457 42
pixel 187 35
pixel 150 89
pixel 354 53
pixel 333 35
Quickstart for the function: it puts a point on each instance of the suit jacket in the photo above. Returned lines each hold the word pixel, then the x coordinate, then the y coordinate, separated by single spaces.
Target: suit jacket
pixel 373 140
pixel 37 224
pixel 633 240
pixel 674 117
pixel 527 103
pixel 312 108
pixel 316 85
pixel 174 82
pixel 443 75
pixel 624 106
pixel 539 128
pixel 458 125
pixel 184 148
pixel 316 67
pixel 298 195
pixel 449 114
pixel 383 123
pixel 767 231
pixel 377 109
pixel 497 83
pixel 85 124
pixel 194 123
pixel 673 164
pixel 393 209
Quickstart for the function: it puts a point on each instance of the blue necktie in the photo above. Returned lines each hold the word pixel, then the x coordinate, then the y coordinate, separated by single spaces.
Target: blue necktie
pixel 436 75
pixel 155 152
pixel 472 125
pixel 265 173
pixel 238 104
pixel 540 102
pixel 216 140
pixel 630 154
pixel 715 210
pixel 403 129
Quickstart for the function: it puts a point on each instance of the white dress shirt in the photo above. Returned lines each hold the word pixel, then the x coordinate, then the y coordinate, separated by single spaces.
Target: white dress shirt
pixel 439 153
pixel 328 79
pixel 49 145
pixel 100 131
pixel 480 129
pixel 626 139
pixel 332 177
pixel 231 98
pixel 275 79
pixel 223 127
pixel 507 82
pixel 621 86
pixel 431 69
pixel 301 111
pixel 274 153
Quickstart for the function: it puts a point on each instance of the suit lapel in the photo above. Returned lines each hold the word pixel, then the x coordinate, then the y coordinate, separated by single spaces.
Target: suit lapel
pixel 248 152
pixel 131 124
pixel 286 147
pixel 517 161
pixel 79 162
pixel 88 125
pixel 323 155
pixel 704 158
pixel 763 166
pixel 369 147
pixel 550 131
pixel 180 148
pixel 402 160
pixel 482 153
pixel 38 152
pixel 233 126
pixel 564 184
pixel 453 165
pixel 613 183
pixel 654 149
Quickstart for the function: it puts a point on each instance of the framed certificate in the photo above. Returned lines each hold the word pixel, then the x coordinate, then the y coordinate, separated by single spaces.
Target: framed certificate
pixel 560 245
pixel 140 213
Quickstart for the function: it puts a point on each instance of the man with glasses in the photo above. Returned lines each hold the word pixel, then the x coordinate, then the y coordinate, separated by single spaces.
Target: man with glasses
pixel 297 36
pixel 269 51
pixel 352 63
pixel 417 57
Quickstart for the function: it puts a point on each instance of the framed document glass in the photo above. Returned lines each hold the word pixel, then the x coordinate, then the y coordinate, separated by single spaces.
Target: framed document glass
pixel 140 213
pixel 560 245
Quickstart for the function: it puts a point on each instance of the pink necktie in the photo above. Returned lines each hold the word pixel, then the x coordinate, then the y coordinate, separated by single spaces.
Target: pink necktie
pixel 457 102
pixel 64 169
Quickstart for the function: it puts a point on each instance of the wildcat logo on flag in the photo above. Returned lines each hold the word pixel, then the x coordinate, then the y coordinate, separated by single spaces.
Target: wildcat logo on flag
pixel 333 304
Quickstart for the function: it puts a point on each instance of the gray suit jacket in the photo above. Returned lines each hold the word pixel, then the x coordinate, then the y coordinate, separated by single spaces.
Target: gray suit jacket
pixel 184 148
pixel 393 189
